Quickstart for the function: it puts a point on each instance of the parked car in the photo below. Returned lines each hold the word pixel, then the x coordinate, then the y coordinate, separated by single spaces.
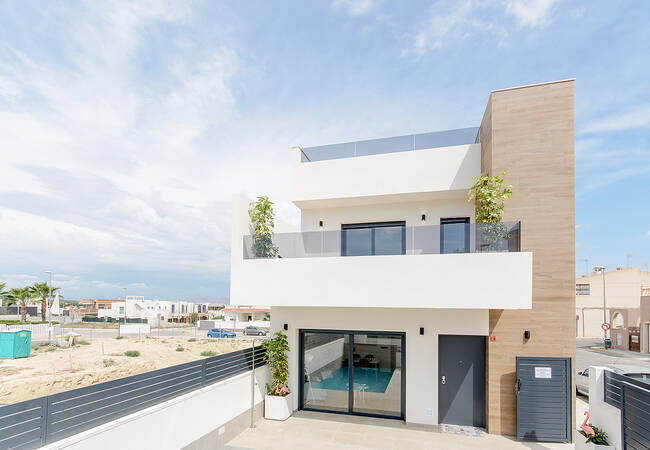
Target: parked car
pixel 636 372
pixel 221 333
pixel 254 331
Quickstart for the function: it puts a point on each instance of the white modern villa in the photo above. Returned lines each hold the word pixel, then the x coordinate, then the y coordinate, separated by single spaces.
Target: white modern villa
pixel 396 303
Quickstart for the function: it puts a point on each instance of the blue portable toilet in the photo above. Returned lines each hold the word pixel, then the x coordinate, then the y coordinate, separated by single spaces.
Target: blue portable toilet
pixel 15 344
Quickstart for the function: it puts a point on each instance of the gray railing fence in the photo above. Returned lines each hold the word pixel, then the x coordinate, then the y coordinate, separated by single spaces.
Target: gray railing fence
pixel 632 397
pixel 41 421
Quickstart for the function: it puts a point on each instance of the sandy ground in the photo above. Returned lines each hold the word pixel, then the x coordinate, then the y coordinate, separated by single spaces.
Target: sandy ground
pixel 53 369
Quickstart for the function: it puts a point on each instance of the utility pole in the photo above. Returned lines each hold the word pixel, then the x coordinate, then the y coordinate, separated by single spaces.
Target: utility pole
pixel 602 269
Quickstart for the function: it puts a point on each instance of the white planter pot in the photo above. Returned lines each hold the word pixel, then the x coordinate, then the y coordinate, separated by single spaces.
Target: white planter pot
pixel 278 408
pixel 582 445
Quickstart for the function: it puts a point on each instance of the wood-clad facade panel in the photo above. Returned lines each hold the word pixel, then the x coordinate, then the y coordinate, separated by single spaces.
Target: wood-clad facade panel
pixel 529 132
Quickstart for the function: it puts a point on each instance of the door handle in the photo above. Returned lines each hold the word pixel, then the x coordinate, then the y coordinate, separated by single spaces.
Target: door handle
pixel 443 380
pixel 518 385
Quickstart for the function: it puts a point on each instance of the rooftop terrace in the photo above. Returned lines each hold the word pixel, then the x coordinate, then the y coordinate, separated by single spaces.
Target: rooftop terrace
pixel 411 142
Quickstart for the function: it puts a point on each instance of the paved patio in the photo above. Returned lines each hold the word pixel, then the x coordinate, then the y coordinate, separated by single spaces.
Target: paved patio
pixel 311 430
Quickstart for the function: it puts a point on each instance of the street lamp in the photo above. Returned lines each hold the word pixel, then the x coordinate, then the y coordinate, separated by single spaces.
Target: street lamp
pixel 48 306
pixel 602 270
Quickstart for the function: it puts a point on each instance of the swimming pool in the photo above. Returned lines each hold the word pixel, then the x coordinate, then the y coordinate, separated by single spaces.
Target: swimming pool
pixel 366 379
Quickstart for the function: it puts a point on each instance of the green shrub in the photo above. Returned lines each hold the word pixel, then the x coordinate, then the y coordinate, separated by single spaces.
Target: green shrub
pixel 179 349
pixel 132 353
pixel 108 362
pixel 83 342
pixel 191 340
pixel 208 353
pixel 119 337
pixel 36 347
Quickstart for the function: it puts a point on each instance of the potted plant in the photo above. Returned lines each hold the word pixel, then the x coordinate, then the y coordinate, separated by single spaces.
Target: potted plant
pixel 262 222
pixel 279 399
pixel 595 437
pixel 488 194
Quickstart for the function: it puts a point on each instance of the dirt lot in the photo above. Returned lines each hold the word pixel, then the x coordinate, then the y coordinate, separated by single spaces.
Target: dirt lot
pixel 54 369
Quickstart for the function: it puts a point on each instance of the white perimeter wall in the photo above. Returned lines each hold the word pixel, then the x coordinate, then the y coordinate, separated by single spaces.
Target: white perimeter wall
pixel 602 415
pixel 421 350
pixel 178 422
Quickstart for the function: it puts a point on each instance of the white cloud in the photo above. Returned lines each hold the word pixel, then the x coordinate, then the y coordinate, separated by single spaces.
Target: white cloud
pixel 635 118
pixel 530 13
pixel 356 7
pixel 463 19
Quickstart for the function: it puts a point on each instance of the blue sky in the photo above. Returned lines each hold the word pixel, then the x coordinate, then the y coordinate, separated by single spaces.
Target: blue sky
pixel 127 126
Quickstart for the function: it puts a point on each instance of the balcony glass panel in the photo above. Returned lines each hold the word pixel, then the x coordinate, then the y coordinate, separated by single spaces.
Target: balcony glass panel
pixel 411 142
pixel 423 240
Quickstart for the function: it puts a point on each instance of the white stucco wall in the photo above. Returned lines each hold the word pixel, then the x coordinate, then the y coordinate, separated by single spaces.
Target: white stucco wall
pixel 433 170
pixel 602 415
pixel 464 280
pixel 421 350
pixel 410 212
pixel 178 422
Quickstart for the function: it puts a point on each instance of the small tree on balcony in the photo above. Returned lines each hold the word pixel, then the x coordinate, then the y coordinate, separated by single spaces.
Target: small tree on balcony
pixel 489 194
pixel 262 217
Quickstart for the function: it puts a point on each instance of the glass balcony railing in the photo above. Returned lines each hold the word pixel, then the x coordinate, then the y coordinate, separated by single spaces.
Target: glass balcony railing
pixel 422 240
pixel 408 143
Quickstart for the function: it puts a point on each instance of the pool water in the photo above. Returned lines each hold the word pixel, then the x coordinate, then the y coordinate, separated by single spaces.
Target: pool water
pixel 366 379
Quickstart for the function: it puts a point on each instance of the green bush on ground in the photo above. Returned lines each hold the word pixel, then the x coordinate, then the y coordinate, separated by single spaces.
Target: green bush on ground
pixel 208 353
pixel 132 353
pixel 179 349
pixel 83 342
pixel 191 340
pixel 108 362
pixel 119 337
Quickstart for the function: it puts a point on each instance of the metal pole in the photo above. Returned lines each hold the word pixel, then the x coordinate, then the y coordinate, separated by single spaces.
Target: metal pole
pixel 253 388
pixel 604 311
pixel 47 308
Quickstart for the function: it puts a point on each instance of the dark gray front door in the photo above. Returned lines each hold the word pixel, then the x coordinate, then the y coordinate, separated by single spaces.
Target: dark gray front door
pixel 461 380
pixel 544 399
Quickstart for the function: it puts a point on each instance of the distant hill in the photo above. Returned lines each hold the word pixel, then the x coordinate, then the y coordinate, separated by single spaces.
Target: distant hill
pixel 202 298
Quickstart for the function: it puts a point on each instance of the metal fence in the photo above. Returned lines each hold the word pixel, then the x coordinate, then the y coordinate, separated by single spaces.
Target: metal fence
pixel 41 421
pixel 632 397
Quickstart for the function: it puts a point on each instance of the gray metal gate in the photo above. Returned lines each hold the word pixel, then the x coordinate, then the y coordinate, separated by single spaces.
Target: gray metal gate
pixel 544 399
pixel 635 417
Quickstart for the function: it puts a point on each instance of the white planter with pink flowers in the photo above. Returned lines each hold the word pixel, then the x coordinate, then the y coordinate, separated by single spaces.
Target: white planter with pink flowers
pixel 277 408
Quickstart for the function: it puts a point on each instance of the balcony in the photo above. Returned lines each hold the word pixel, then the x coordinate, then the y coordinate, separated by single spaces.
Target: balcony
pixel 404 168
pixel 485 270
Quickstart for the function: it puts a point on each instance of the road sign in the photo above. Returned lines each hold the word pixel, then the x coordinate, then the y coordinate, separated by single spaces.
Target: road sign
pixel 605 326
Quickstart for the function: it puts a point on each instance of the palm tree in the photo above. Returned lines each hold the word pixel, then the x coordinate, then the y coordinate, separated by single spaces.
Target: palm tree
pixel 42 291
pixel 21 295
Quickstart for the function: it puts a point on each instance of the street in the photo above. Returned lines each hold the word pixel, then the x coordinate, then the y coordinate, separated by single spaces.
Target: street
pixel 187 332
pixel 586 357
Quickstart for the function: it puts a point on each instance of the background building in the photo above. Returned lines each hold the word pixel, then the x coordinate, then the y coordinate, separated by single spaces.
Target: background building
pixel 623 291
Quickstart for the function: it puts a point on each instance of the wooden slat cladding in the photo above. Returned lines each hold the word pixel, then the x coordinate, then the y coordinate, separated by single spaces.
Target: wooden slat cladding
pixel 529 132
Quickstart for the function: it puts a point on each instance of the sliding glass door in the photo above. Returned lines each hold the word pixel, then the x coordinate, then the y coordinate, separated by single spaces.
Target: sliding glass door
pixel 353 372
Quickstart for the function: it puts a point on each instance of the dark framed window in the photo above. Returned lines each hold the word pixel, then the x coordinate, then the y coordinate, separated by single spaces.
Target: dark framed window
pixel 583 289
pixel 454 235
pixel 379 238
